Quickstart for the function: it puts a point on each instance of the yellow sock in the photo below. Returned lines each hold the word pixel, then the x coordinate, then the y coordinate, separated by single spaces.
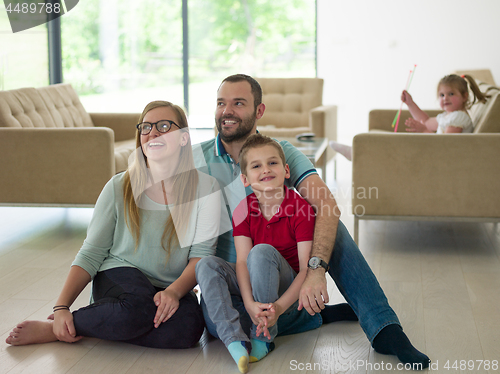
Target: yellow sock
pixel 243 364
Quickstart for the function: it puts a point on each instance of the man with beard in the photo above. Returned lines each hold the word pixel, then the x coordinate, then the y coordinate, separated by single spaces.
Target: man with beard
pixel 239 106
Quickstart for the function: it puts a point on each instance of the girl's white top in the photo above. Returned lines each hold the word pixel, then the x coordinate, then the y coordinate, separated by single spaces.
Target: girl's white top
pixel 455 119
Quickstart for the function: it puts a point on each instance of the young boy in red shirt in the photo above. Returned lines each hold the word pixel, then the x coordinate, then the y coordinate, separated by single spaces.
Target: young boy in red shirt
pixel 273 232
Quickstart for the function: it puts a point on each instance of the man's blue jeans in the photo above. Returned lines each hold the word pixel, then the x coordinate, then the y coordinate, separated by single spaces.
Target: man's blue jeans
pixel 226 317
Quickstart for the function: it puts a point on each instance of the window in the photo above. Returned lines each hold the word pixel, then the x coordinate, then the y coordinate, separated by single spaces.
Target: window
pixel 23 56
pixel 259 38
pixel 120 55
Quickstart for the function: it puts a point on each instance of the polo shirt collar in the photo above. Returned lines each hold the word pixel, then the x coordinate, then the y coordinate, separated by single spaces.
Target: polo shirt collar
pixel 219 147
pixel 255 208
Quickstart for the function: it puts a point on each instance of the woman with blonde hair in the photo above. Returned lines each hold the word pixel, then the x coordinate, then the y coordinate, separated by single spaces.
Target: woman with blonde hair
pixel 150 226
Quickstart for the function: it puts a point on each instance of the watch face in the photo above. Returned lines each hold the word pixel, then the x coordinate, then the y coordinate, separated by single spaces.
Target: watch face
pixel 314 262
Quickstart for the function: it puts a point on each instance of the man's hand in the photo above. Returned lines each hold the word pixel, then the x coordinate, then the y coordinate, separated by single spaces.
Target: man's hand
pixel 167 303
pixel 313 293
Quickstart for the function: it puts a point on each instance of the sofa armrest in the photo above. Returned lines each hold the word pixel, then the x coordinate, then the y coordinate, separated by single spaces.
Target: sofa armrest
pixel 55 166
pixel 450 175
pixel 381 119
pixel 323 122
pixel 123 124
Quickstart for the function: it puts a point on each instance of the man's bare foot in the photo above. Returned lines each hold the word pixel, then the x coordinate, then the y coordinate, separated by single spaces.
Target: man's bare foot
pixel 31 332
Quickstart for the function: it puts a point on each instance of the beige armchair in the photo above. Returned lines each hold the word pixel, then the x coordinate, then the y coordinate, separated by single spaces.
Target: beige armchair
pixel 295 106
pixel 446 177
pixel 54 153
pixel 482 75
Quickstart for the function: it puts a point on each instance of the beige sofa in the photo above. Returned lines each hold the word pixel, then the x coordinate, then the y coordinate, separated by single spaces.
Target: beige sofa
pixel 54 153
pixel 295 106
pixel 402 176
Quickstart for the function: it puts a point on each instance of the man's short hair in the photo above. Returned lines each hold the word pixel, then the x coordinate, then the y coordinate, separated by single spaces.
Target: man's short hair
pixel 254 85
pixel 256 141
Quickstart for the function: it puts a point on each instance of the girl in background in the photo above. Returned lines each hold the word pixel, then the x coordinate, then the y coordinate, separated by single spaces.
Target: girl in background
pixel 453 96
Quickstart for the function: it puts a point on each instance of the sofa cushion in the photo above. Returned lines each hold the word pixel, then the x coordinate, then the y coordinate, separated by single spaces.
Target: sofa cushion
pixel 289 100
pixel 24 107
pixel 123 150
pixel 64 105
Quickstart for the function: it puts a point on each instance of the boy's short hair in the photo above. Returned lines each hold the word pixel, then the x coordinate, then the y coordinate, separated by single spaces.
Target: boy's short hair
pixel 256 141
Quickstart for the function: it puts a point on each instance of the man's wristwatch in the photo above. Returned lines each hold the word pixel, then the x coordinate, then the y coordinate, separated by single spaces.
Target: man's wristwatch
pixel 316 262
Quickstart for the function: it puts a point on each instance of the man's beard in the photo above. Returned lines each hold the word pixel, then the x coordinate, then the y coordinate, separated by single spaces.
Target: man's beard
pixel 245 127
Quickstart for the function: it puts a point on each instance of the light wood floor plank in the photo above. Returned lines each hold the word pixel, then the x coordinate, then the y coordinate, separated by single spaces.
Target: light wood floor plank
pixel 54 358
pixel 161 361
pixel 13 283
pixel 342 347
pixel 108 358
pixel 452 335
pixel 485 299
pixel 10 356
pixel 443 281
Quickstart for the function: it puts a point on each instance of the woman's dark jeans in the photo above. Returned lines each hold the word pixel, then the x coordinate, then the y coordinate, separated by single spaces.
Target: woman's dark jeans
pixel 124 310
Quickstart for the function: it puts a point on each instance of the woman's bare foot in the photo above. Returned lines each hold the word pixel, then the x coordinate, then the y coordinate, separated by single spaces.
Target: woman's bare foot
pixel 32 332
pixel 344 150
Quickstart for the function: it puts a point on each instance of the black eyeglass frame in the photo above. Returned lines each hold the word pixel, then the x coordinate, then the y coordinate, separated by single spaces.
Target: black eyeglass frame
pixel 139 126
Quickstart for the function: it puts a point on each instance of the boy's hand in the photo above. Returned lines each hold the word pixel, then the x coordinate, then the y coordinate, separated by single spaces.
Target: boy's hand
pixel 269 315
pixel 271 312
pixel 254 309
pixel 167 303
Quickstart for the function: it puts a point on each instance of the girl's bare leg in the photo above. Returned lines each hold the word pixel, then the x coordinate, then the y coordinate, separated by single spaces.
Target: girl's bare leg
pixel 344 150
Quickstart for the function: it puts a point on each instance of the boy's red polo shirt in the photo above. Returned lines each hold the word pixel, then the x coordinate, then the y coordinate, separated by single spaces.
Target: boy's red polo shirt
pixel 293 223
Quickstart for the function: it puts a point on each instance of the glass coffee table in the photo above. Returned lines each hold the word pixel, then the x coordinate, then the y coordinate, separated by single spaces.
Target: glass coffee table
pixel 314 149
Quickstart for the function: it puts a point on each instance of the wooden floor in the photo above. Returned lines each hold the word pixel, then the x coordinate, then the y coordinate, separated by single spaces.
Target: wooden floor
pixel 443 280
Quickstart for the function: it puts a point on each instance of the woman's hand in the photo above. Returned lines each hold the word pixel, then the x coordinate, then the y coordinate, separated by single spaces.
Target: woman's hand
pixel 413 125
pixel 167 303
pixel 64 328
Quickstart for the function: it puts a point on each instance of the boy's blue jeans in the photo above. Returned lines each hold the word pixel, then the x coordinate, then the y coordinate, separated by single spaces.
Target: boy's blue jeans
pixel 226 317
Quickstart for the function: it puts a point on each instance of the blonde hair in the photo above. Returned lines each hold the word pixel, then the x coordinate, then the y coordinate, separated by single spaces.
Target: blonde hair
pixel 184 181
pixel 460 84
pixel 256 141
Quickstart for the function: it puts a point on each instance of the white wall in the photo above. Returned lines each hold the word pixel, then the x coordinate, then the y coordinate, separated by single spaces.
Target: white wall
pixel 367 48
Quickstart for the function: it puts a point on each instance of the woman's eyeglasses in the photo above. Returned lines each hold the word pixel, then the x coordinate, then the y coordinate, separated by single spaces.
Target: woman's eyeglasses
pixel 162 126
